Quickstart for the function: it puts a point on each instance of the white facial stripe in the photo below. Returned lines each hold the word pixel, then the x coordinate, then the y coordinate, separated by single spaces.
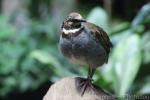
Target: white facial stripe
pixel 79 17
pixel 70 30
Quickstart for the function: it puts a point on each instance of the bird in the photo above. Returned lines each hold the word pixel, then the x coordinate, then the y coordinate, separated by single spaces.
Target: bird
pixel 84 43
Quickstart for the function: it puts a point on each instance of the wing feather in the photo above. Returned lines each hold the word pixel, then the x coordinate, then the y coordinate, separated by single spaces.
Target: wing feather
pixel 100 36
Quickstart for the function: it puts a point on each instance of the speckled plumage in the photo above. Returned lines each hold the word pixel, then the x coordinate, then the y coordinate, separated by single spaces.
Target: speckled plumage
pixel 90 46
pixel 84 43
pixel 83 48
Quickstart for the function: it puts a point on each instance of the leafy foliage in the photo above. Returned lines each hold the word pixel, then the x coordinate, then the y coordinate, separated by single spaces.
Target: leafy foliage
pixel 28 57
pixel 29 53
pixel 126 56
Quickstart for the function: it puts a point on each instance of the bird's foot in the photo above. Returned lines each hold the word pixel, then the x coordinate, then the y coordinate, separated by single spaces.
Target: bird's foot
pixel 84 84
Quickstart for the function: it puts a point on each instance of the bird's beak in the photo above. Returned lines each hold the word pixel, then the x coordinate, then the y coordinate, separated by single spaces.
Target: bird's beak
pixel 82 20
pixel 79 20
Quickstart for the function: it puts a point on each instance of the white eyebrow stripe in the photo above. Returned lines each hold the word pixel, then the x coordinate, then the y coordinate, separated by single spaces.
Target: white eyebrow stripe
pixel 70 30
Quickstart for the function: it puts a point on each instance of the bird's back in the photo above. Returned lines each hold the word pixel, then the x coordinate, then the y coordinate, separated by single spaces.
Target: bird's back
pixel 100 36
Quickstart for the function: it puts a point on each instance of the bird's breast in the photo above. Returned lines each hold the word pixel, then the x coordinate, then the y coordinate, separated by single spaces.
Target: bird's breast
pixel 74 44
pixel 82 49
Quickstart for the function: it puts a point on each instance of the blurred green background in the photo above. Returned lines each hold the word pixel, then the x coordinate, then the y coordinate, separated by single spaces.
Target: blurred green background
pixel 30 60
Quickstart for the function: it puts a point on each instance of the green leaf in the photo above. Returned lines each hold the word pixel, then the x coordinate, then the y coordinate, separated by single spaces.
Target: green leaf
pixel 146 87
pixel 145 45
pixel 140 17
pixel 6 30
pixel 119 27
pixel 126 62
pixel 108 71
pixel 45 58
pixel 9 52
pixel 120 36
pixel 99 17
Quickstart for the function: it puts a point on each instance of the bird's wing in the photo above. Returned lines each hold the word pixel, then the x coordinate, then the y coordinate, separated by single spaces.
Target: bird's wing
pixel 99 35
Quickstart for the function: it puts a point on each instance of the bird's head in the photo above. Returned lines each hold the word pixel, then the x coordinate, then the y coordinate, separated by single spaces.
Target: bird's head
pixel 72 23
